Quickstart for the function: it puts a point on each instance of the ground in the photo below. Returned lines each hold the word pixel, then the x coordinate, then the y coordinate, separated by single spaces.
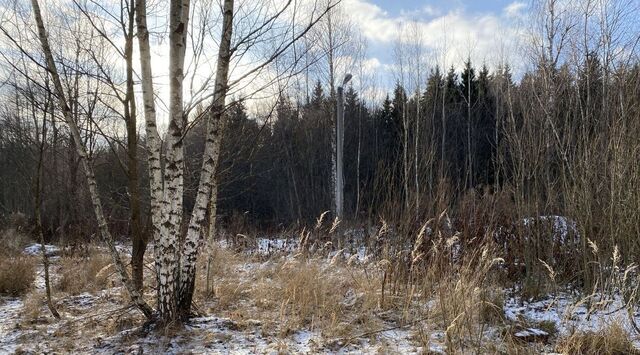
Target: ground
pixel 268 297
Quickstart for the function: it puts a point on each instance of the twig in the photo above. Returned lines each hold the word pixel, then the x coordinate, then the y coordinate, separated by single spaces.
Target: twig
pixel 111 311
pixel 362 335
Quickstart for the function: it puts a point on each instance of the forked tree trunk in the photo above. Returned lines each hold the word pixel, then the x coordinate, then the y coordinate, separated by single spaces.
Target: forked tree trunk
pixel 176 278
pixel 136 297
pixel 167 247
pixel 215 127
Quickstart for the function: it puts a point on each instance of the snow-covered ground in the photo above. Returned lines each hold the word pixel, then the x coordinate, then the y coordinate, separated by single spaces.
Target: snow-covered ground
pixel 10 309
pixel 213 335
pixel 574 313
pixel 202 335
pixel 83 326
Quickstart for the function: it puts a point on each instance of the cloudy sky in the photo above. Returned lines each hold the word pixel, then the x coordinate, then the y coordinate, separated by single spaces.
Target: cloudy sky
pixel 487 31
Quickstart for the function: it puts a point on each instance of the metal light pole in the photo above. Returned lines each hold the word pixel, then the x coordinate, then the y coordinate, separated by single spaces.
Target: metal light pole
pixel 339 186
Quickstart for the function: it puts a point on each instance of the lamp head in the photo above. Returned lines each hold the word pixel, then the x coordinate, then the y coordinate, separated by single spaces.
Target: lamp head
pixel 346 79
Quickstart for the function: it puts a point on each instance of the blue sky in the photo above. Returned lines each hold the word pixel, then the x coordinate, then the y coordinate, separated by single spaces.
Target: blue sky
pixel 442 6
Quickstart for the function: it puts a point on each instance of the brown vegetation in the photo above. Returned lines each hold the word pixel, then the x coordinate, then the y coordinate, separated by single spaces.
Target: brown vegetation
pixel 17 274
pixel 81 274
pixel 611 340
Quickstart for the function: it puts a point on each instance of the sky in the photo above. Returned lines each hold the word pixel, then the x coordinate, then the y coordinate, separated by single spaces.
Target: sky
pixel 433 7
pixel 486 31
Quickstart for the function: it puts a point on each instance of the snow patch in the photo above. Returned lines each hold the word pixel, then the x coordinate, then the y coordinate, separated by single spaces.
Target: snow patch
pixel 36 249
pixel 570 313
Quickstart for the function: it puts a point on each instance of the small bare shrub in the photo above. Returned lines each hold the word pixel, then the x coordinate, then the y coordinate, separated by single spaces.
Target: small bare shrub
pixel 12 242
pixel 79 275
pixel 16 275
pixel 224 263
pixel 32 306
pixel 612 340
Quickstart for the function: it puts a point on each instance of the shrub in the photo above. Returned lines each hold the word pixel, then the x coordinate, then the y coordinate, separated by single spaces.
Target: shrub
pixel 16 275
pixel 32 306
pixel 79 275
pixel 612 340
pixel 12 242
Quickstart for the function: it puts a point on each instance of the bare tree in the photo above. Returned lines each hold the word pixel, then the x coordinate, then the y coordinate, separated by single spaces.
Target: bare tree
pixel 400 56
pixel 334 38
pixel 416 58
pixel 84 158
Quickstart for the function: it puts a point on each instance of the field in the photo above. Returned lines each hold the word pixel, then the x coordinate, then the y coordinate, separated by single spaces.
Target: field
pixel 326 290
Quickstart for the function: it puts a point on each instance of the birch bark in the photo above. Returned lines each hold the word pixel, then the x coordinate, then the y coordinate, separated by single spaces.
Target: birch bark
pixel 154 145
pixel 215 127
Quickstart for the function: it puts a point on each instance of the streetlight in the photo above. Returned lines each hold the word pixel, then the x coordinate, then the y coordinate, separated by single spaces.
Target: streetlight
pixel 339 183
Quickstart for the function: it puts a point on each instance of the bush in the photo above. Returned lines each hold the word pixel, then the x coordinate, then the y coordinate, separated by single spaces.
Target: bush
pixel 79 275
pixel 16 275
pixel 12 242
pixel 612 340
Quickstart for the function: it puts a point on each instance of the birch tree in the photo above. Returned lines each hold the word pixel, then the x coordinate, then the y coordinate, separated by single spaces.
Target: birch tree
pixel 416 64
pixel 175 261
pixel 334 38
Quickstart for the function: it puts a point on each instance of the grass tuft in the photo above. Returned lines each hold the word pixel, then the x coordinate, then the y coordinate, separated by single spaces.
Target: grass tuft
pixel 16 275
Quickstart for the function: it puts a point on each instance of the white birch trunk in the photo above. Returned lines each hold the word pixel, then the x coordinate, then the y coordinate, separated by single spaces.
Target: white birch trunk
pixel 215 126
pixel 167 247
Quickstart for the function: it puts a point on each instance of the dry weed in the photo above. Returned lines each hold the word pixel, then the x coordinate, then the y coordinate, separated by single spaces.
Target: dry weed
pixel 611 340
pixel 12 242
pixel 79 275
pixel 32 306
pixel 16 275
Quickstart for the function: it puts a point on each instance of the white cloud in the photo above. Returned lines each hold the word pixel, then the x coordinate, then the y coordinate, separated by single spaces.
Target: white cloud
pixel 430 10
pixel 374 22
pixel 486 37
pixel 514 9
pixel 372 64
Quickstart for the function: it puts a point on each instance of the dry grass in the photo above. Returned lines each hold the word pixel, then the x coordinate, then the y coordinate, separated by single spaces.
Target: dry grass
pixel 79 275
pixel 426 290
pixel 16 275
pixel 12 242
pixel 32 306
pixel 420 287
pixel 293 293
pixel 612 340
pixel 17 271
pixel 337 300
pixel 468 302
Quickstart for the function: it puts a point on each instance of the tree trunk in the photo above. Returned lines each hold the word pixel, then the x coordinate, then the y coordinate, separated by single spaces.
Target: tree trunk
pixel 215 127
pixel 213 215
pixel 172 203
pixel 138 240
pixel 136 297
pixel 153 142
pixel 38 202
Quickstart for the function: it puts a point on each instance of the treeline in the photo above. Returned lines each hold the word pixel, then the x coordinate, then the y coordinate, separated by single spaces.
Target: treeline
pixel 488 150
pixel 476 131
